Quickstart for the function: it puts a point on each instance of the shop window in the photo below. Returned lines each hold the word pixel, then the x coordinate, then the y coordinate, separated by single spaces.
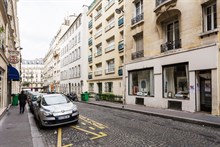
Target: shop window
pixel 1 88
pixel 141 82
pixel 176 81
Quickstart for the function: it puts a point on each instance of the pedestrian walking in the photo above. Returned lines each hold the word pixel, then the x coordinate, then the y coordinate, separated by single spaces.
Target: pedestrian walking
pixel 22 101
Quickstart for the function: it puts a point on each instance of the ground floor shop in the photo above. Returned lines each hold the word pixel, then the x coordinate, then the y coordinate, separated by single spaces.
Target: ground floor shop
pixel 112 86
pixel 184 80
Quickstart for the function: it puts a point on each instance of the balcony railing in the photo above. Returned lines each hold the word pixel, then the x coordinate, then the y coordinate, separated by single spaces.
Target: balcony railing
pixel 158 2
pixel 170 45
pixel 110 70
pixel 90 24
pixel 98 72
pixel 137 19
pixel 90 75
pixel 121 21
pixel 121 46
pixel 90 41
pixel 120 71
pixel 110 25
pixel 90 58
pixel 109 4
pixel 99 14
pixel 98 33
pixel 119 1
pixel 110 48
pixel 137 54
pixel 98 53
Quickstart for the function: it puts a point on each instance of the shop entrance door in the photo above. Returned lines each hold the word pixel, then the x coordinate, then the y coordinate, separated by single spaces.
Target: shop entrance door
pixel 205 95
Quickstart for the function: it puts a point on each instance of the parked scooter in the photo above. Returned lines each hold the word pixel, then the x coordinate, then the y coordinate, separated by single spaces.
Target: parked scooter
pixel 72 96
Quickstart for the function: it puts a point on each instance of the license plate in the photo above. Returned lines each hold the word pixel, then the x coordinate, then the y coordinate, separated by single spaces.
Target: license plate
pixel 63 117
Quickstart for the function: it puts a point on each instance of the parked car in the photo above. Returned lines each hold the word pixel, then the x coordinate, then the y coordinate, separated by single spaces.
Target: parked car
pixel 32 99
pixel 55 109
pixel 72 96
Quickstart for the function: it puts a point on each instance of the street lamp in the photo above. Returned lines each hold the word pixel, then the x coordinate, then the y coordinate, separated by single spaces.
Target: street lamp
pixel 119 10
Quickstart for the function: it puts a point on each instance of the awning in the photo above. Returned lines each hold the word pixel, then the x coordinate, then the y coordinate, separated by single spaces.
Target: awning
pixel 13 74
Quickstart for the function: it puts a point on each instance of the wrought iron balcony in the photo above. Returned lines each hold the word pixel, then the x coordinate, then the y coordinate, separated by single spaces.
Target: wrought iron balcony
pixel 170 45
pixel 158 2
pixel 137 19
pixel 99 14
pixel 120 71
pixel 98 53
pixel 90 58
pixel 90 24
pixel 137 54
pixel 121 21
pixel 121 46
pixel 98 72
pixel 110 48
pixel 90 75
pixel 90 41
pixel 110 70
pixel 110 3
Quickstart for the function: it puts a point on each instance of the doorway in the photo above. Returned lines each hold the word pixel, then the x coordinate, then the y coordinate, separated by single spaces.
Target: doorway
pixel 205 91
pixel 99 88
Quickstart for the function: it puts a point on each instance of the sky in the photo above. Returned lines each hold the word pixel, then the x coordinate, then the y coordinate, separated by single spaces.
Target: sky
pixel 39 21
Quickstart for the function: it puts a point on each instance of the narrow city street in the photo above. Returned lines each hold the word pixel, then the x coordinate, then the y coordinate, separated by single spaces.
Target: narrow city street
pixel 106 127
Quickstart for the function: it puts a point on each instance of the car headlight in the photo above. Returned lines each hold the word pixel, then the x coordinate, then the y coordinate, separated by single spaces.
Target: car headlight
pixel 47 112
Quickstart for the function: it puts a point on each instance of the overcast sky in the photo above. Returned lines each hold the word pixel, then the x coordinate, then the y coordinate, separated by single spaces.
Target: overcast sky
pixel 39 20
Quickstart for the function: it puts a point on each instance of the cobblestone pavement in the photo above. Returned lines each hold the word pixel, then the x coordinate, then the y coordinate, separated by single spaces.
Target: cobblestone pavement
pixel 106 127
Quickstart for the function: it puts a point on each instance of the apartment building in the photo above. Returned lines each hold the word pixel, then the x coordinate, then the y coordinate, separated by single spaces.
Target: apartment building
pixel 106 47
pixel 52 61
pixel 73 71
pixel 172 54
pixel 9 53
pixel 32 74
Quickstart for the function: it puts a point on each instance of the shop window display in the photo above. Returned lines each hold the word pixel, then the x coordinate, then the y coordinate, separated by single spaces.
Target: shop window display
pixel 176 81
pixel 141 82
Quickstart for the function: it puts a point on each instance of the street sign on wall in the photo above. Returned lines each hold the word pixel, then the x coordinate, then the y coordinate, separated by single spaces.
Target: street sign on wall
pixel 13 56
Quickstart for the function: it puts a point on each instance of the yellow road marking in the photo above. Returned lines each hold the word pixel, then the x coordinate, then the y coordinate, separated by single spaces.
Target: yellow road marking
pixel 59 138
pixel 68 145
pixel 92 128
pixel 96 136
pixel 83 123
pixel 92 122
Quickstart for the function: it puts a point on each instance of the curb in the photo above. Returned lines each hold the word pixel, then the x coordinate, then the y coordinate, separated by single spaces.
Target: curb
pixel 176 118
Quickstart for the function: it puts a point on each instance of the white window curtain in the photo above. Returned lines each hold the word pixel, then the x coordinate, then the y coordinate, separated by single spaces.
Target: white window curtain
pixel 169 85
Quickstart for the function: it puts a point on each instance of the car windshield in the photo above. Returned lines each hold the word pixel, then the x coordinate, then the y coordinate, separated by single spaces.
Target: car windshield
pixel 54 100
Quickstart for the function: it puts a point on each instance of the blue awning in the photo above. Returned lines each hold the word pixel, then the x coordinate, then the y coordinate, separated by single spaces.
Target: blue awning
pixel 13 74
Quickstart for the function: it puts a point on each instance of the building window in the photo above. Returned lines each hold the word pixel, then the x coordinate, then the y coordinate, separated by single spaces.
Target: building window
pixel 141 82
pixel 210 17
pixel 172 34
pixel 108 86
pixel 176 81
pixel 110 66
pixel 91 87
pixel 1 88
pixel 139 42
pixel 139 7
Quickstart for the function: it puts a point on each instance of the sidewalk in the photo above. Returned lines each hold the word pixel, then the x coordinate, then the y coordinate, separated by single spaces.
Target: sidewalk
pixel 15 130
pixel 197 117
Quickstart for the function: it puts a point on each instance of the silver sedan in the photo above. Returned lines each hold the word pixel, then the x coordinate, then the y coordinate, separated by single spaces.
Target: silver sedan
pixel 55 109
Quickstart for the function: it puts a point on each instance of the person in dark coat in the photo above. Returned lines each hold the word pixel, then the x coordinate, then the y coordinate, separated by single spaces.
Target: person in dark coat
pixel 22 101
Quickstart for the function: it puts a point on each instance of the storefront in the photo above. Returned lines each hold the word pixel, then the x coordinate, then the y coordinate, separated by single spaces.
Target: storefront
pixel 176 80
